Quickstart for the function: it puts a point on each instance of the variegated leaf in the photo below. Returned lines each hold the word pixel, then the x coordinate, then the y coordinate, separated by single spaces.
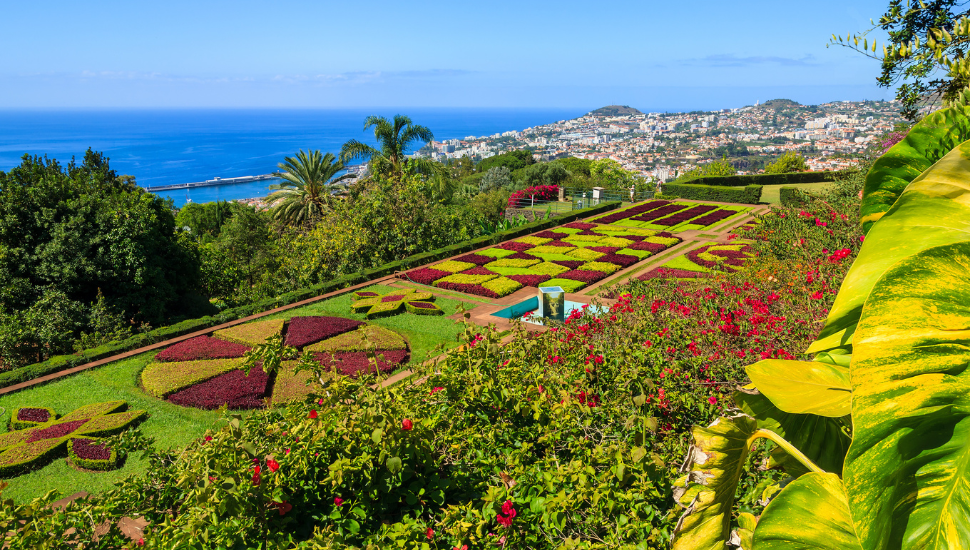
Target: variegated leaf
pixel 811 513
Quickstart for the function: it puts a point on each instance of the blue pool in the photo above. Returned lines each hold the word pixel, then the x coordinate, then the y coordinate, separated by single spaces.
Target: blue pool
pixel 531 307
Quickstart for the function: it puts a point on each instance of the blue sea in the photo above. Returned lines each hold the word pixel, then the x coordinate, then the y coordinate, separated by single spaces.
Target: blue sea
pixel 161 147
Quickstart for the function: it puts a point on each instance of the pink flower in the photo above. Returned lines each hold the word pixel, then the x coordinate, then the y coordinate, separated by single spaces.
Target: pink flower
pixel 816 296
pixel 508 512
pixel 337 501
pixel 407 425
pixel 712 400
pixel 429 533
pixel 313 414
pixel 272 465
pixel 141 542
pixel 438 388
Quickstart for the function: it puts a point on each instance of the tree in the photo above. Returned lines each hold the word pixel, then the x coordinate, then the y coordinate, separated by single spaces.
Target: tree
pixel 610 174
pixel 786 164
pixel 497 177
pixel 926 55
pixel 393 140
pixel 204 220
pixel 513 160
pixel 305 192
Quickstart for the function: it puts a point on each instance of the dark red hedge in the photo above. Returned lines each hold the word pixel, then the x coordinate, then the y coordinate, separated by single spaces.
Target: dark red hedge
pixel 202 347
pixel 307 330
pixel 33 415
pixel 477 271
pixel 424 275
pixel 664 272
pixel 580 225
pixel 530 280
pixel 423 305
pixel 714 217
pixel 90 449
pixel 652 247
pixel 583 275
pixel 520 256
pixel 518 247
pixel 57 430
pixel 477 259
pixel 661 212
pixel 630 212
pixel 559 244
pixel 605 249
pixel 354 363
pixel 470 289
pixel 551 235
pixel 622 260
pixel 233 389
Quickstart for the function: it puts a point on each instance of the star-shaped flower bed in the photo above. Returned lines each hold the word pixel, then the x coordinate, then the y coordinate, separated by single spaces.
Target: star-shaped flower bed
pixel 377 305
pixel 39 441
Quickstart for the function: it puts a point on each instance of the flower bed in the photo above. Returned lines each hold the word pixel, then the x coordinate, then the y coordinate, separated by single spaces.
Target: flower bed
pixel 251 334
pixel 530 280
pixel 202 347
pixel 161 379
pixel 233 390
pixel 476 259
pixel 290 386
pixel 26 417
pixel 366 337
pixel 306 330
pixel 583 275
pixel 668 273
pixel 452 266
pixel 632 211
pixel 569 285
pixel 714 217
pixel 375 305
pixel 684 215
pixel 92 454
pixel 355 363
pixel 503 286
pixel 425 275
pixel 658 213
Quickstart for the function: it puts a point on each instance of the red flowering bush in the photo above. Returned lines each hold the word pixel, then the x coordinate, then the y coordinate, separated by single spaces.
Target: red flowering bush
pixel 537 193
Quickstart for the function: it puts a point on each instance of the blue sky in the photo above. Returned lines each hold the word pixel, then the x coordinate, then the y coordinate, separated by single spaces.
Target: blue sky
pixel 291 53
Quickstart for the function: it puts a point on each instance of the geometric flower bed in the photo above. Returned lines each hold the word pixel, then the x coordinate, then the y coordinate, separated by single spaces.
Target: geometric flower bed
pixel 206 372
pixel 671 216
pixel 38 442
pixel 376 305
pixel 571 256
pixel 702 262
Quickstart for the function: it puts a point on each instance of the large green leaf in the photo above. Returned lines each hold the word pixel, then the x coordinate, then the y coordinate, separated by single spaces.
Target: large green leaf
pixel 715 461
pixel 812 512
pixel 927 142
pixel 804 387
pixel 933 210
pixel 907 473
pixel 821 439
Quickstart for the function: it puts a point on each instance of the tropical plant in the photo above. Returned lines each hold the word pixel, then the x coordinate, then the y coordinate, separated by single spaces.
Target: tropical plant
pixel 306 191
pixel 872 431
pixel 393 140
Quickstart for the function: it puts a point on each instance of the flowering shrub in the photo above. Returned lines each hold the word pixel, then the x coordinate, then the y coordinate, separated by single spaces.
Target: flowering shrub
pixel 234 390
pixel 301 331
pixel 202 347
pixel 251 334
pixel 537 192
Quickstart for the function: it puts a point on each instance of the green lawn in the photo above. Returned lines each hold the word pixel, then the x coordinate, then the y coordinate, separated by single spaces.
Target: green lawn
pixel 172 425
pixel 770 194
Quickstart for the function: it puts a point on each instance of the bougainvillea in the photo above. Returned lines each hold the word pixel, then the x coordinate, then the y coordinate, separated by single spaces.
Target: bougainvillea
pixel 22 450
pixel 305 330
pixel 537 193
pixel 202 347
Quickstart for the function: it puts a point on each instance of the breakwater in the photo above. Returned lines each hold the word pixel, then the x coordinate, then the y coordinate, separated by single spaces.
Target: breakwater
pixel 210 183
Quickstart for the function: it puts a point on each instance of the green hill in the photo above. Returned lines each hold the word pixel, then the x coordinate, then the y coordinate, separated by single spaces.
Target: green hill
pixel 615 110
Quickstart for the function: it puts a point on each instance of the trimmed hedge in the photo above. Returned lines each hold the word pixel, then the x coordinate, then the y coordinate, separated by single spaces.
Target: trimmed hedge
pixel 62 362
pixel 762 179
pixel 791 196
pixel 750 194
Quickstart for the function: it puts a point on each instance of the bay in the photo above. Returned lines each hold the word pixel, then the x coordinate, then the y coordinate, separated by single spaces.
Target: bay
pixel 164 147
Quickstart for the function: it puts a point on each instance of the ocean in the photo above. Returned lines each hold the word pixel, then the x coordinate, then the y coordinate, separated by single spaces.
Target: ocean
pixel 162 147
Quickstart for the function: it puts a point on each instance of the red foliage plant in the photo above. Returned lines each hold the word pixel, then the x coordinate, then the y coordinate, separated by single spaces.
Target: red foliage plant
pixel 423 305
pixel 571 264
pixel 424 275
pixel 393 298
pixel 518 247
pixel 307 330
pixel 233 389
pixel 583 275
pixel 622 260
pixel 469 288
pixel 659 213
pixel 714 217
pixel 560 244
pixel 652 247
pixel 530 280
pixel 56 431
pixel 520 256
pixel 477 259
pixel 551 235
pixel 477 271
pixel 202 347
pixel 580 225
pixel 33 415
pixel 634 211
pixel 90 449
pixel 605 249
pixel 355 363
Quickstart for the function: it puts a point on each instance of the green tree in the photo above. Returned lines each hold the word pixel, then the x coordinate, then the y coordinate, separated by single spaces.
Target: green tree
pixel 306 190
pixel 786 164
pixel 513 160
pixel 497 177
pixel 394 138
pixel 926 54
pixel 78 229
pixel 610 174
pixel 204 220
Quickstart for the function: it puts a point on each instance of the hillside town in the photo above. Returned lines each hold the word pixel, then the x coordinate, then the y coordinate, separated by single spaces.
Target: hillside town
pixel 831 136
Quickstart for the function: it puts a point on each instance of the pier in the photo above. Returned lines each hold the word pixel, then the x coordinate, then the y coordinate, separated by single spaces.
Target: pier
pixel 213 181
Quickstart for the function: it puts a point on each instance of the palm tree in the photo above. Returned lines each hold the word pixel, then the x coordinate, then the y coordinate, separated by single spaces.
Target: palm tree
pixel 305 192
pixel 393 139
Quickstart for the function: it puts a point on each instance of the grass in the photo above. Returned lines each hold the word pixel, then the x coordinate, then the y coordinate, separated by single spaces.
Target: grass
pixel 173 426
pixel 770 194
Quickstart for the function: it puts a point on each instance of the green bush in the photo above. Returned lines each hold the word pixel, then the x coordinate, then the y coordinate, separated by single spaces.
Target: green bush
pixel 765 179
pixel 750 194
pixel 792 196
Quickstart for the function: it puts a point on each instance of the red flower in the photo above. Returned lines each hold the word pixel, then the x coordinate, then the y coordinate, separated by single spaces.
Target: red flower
pixel 337 501
pixel 508 512
pixel 463 547
pixel 816 296
pixel 256 475
pixel 429 533
pixel 313 414
pixel 407 425
pixel 439 388
pixel 283 507
pixel 272 465
pixel 712 400
pixel 141 542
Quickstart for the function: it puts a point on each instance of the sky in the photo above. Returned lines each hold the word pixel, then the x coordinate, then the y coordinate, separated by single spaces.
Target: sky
pixel 681 55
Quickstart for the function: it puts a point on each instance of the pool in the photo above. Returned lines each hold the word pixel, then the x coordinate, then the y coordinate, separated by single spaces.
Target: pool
pixel 531 307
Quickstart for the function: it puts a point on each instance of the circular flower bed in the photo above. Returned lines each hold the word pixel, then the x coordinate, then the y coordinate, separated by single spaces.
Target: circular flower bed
pixel 205 372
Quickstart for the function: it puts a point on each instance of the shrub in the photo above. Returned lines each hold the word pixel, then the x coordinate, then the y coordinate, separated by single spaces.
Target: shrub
pixel 290 386
pixel 468 288
pixel 452 266
pixel 464 279
pixel 509 262
pixel 622 260
pixel 635 210
pixel 513 246
pixel 750 194
pixel 684 215
pixel 476 259
pixel 424 275
pixel 568 264
pixel 502 286
pixel 550 268
pixel 716 216
pixel 666 272
pixel 424 308
pixel 530 280
pixel 585 254
pixel 586 276
pixel 534 241
pixel 92 454
pixel 600 266
pixel 28 417
pixel 202 347
pixel 538 193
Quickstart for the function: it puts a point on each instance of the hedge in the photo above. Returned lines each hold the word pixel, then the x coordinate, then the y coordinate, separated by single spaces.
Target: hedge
pixel 791 196
pixel 763 179
pixel 62 362
pixel 750 194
